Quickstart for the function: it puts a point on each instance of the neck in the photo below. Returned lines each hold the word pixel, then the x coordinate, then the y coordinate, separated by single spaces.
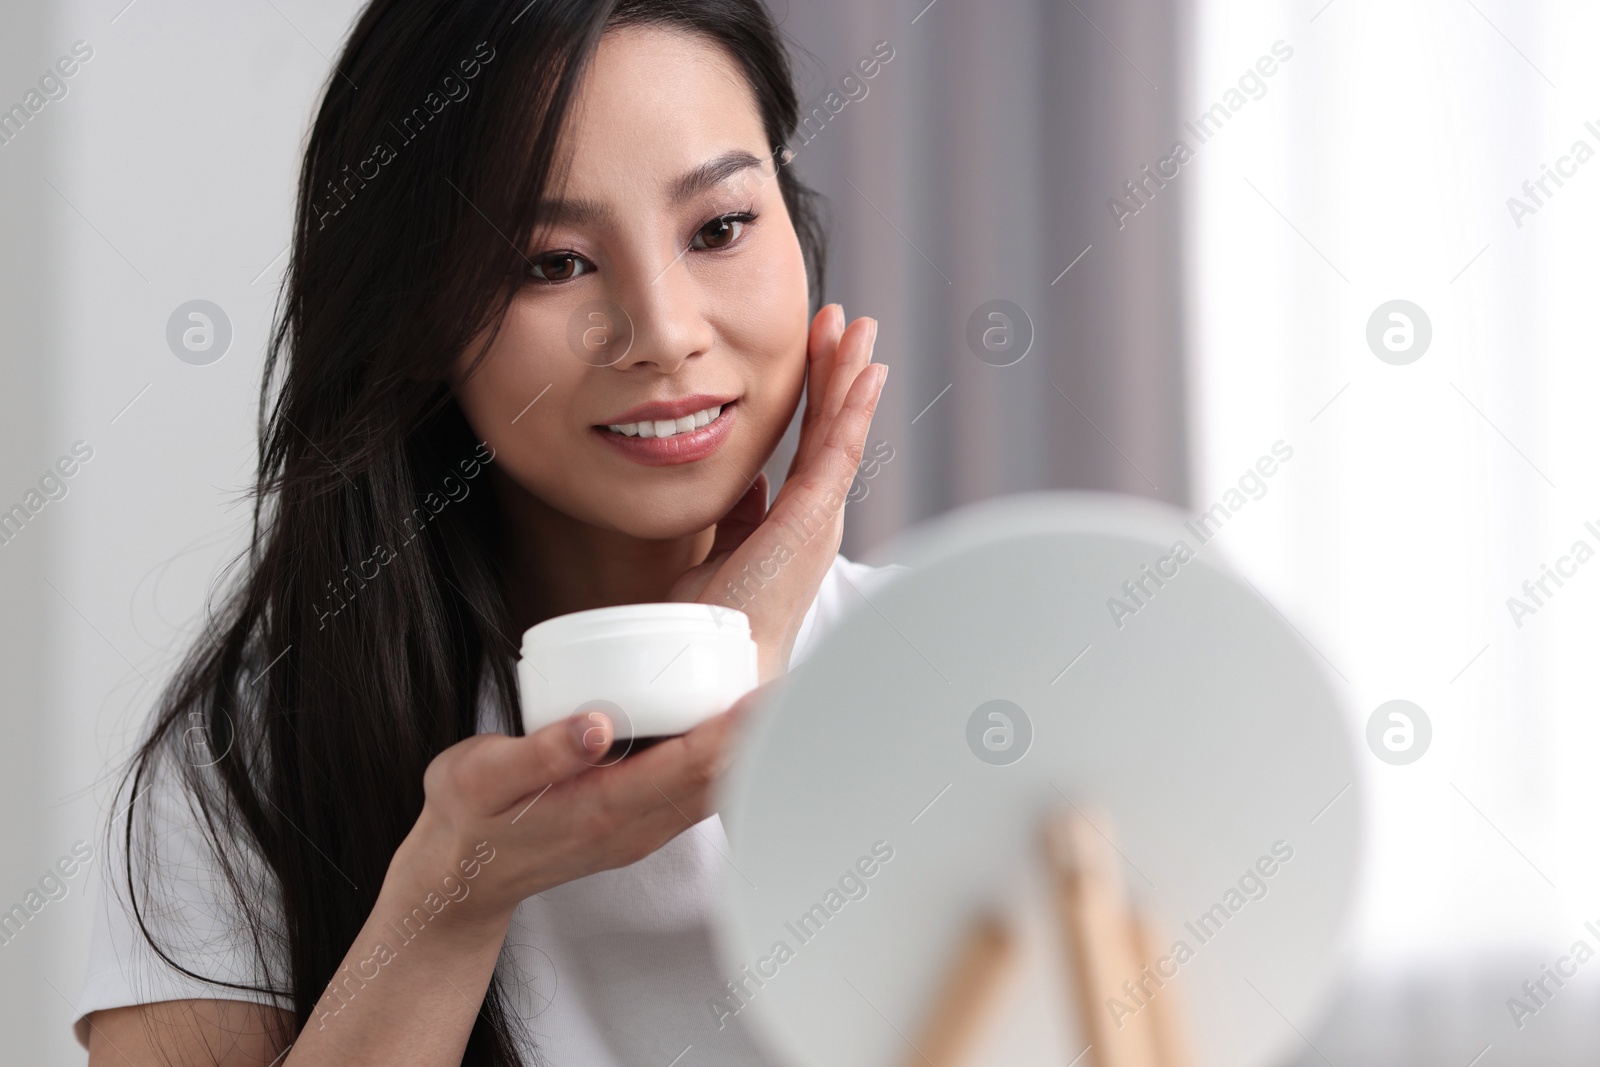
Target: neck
pixel 556 564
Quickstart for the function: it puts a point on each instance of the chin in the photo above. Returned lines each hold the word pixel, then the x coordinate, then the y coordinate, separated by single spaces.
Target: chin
pixel 666 515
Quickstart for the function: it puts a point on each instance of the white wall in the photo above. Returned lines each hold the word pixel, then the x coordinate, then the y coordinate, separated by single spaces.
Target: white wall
pixel 174 153
pixel 1378 166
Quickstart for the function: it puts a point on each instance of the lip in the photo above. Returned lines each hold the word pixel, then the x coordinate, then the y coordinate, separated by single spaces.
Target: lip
pixel 668 409
pixel 679 448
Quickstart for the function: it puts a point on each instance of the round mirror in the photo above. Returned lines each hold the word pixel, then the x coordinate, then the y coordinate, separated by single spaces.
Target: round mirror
pixel 1048 652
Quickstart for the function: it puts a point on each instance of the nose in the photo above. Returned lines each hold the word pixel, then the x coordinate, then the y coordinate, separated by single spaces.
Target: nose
pixel 668 317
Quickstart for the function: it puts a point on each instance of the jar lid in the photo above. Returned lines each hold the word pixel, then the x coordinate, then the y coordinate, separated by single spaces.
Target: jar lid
pixel 638 620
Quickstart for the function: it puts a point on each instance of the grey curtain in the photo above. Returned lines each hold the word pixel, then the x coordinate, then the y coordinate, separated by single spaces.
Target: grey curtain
pixel 976 165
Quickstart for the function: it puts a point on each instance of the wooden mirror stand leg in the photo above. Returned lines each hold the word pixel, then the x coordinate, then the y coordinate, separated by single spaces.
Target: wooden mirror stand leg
pixel 967 996
pixel 1109 946
pixel 1106 946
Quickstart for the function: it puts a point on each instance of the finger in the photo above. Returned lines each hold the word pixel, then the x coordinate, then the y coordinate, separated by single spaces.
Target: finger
pixel 495 773
pixel 821 358
pixel 822 347
pixel 723 729
pixel 747 705
pixel 676 774
pixel 826 479
pixel 855 352
pixel 806 519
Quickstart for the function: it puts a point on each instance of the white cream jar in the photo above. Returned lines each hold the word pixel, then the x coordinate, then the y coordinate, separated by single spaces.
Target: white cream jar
pixel 656 669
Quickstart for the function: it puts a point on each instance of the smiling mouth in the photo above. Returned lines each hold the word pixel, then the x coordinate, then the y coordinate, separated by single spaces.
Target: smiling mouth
pixel 669 442
pixel 664 428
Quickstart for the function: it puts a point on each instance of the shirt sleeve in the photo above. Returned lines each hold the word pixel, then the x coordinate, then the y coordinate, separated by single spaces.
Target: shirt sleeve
pixel 191 909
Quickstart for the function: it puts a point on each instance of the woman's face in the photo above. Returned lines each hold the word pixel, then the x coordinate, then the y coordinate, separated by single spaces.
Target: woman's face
pixel 668 287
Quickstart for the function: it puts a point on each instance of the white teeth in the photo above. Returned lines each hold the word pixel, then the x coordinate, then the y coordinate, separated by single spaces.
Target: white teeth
pixel 667 427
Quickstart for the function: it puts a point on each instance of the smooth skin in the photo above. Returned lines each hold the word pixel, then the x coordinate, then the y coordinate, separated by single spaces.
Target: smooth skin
pixel 718 306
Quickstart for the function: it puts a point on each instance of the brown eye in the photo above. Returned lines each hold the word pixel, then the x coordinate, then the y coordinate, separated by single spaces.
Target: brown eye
pixel 558 267
pixel 719 232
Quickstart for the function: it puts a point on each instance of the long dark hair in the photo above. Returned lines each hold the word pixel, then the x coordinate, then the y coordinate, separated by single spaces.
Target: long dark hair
pixel 369 619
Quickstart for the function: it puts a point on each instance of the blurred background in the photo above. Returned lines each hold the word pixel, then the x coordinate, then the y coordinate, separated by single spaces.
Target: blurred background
pixel 1192 219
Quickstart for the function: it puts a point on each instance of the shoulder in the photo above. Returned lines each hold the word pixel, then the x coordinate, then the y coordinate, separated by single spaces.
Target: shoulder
pixel 846 586
pixel 192 913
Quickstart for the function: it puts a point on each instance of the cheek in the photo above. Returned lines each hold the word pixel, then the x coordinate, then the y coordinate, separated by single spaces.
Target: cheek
pixel 512 398
pixel 765 320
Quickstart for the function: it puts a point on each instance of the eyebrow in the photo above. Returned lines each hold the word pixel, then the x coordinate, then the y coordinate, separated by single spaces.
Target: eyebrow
pixel 713 172
pixel 710 173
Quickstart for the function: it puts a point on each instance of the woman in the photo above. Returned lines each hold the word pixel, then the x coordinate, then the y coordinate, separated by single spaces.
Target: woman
pixel 333 834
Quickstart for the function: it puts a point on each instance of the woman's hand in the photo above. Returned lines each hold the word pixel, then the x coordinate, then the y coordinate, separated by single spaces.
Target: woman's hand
pixel 507 817
pixel 504 818
pixel 769 563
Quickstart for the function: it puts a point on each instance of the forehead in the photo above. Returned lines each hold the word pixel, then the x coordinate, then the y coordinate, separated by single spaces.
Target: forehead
pixel 654 104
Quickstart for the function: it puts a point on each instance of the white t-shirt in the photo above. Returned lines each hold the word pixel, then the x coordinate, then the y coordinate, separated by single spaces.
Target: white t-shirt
pixel 615 969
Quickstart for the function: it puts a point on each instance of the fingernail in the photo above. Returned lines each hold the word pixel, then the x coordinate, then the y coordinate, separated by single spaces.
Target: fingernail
pixel 590 731
pixel 838 315
pixel 872 339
